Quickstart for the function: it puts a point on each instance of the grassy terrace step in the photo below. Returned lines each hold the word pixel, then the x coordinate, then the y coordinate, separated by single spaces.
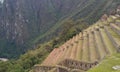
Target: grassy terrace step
pixel 117 22
pixel 110 19
pixel 68 43
pixel 74 49
pixel 62 68
pixel 49 58
pixel 60 55
pixel 115 28
pixel 99 44
pixel 108 44
pixel 63 49
pixel 66 69
pixel 105 23
pixel 106 50
pixel 76 38
pixel 101 25
pixel 115 38
pixel 114 17
pixel 68 52
pixel 85 49
pixel 53 70
pixel 107 64
pixel 42 68
pixel 79 48
pixel 77 70
pixel 53 59
pixel 74 64
pixel 93 52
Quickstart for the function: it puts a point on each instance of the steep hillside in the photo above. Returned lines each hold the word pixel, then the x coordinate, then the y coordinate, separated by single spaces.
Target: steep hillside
pixel 77 49
pixel 87 49
pixel 26 23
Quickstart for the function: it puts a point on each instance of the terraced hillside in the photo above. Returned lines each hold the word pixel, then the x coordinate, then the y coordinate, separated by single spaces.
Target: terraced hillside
pixel 26 23
pixel 85 50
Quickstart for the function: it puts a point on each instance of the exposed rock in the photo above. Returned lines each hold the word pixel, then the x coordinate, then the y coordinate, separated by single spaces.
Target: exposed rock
pixel 117 67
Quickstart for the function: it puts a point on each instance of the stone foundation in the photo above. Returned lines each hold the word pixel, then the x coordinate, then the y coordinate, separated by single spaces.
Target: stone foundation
pixel 38 68
pixel 73 64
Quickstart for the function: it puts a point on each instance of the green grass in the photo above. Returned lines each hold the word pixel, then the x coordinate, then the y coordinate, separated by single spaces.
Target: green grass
pixel 69 52
pixel 85 53
pixel 100 45
pixel 79 50
pixel 110 19
pixel 107 64
pixel 74 50
pixel 114 34
pixel 104 23
pixel 53 70
pixel 93 53
pixel 116 27
pixel 118 20
pixel 107 42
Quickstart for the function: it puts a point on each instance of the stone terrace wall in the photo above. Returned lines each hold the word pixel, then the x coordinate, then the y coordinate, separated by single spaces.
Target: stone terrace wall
pixel 77 64
pixel 42 68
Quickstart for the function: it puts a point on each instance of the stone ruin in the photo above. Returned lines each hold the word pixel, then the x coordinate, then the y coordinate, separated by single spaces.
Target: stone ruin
pixel 73 64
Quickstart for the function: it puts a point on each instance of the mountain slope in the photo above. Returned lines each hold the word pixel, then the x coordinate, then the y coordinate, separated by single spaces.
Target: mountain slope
pixel 92 45
pixel 87 49
pixel 26 23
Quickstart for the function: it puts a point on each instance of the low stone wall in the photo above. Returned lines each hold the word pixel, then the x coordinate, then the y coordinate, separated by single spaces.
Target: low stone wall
pixel 62 69
pixel 66 69
pixel 38 68
pixel 73 64
pixel 53 70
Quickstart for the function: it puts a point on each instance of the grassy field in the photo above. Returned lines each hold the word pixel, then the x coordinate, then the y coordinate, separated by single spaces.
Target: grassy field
pixel 107 64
